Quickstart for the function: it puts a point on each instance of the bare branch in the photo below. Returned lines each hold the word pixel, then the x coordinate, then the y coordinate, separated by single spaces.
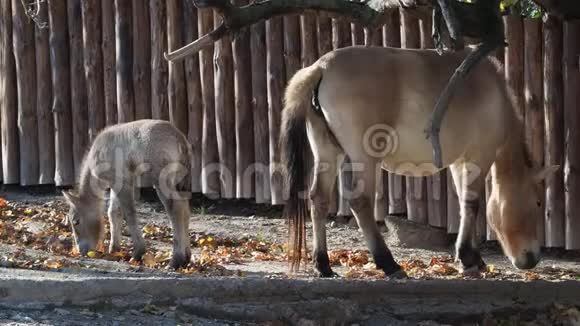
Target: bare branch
pixel 434 125
pixel 197 45
pixel 366 13
pixel 564 9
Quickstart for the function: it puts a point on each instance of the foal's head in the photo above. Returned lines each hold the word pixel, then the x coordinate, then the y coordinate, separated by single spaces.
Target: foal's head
pixel 86 220
pixel 514 209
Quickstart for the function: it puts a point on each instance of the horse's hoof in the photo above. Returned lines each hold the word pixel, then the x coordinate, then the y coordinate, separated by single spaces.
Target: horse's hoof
pixel 473 271
pixel 178 261
pixel 138 254
pixel 327 274
pixel 398 275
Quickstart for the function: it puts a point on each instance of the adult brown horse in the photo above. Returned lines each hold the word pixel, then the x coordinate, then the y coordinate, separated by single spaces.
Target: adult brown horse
pixel 371 104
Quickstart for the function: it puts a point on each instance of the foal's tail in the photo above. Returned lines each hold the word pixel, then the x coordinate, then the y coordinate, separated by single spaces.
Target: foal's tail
pixel 293 146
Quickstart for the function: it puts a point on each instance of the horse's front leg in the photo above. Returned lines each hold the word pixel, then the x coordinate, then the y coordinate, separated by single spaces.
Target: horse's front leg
pixel 115 221
pixel 127 202
pixel 469 189
pixel 179 214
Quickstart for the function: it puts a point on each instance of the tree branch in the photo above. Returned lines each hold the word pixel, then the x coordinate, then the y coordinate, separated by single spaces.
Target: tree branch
pixel 367 13
pixel 564 9
pixel 434 125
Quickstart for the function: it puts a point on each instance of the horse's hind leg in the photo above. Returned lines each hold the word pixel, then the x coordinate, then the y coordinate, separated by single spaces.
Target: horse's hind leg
pixel 116 222
pixel 126 198
pixel 327 156
pixel 470 185
pixel 179 213
pixel 362 206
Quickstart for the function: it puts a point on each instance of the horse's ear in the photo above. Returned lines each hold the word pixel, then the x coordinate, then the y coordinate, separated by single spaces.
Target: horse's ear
pixel 545 173
pixel 70 197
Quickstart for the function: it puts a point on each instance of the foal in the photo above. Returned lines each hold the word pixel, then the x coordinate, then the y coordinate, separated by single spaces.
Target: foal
pixel 117 156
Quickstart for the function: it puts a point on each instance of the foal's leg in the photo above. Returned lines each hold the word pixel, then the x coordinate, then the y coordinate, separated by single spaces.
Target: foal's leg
pixel 126 198
pixel 469 189
pixel 362 206
pixel 179 213
pixel 115 221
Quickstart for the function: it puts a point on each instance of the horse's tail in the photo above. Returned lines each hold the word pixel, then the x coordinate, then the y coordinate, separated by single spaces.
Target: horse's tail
pixel 293 146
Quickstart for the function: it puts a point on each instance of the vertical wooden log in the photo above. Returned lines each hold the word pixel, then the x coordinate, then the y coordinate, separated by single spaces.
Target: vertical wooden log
pixel 124 49
pixel 490 232
pixel 391 30
pixel 572 132
pixel 8 99
pixel 141 59
pixel 416 187
pixel 93 60
pixel 194 96
pixel 78 84
pixel 309 53
pixel 44 101
pixel 176 93
pixel 210 160
pixel 276 73
pixel 23 43
pixel 410 34
pixel 158 18
pixel 373 36
pixel 292 44
pixel 534 124
pixel 260 113
pixel 243 108
pixel 225 111
pixel 437 199
pixel 358 34
pixel 59 62
pixel 514 60
pixel 425 27
pixel 453 216
pixel 109 61
pixel 554 130
pixel 324 34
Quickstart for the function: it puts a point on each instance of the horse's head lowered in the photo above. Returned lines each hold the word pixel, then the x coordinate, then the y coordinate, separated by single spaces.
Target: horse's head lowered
pixel 86 220
pixel 515 209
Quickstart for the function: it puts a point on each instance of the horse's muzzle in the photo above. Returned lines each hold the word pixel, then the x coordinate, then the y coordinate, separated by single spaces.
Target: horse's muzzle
pixel 527 261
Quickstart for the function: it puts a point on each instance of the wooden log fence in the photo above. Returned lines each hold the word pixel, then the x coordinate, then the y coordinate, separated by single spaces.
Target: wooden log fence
pixel 98 63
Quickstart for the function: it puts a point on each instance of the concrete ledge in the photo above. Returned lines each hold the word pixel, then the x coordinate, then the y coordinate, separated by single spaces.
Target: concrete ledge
pixel 292 300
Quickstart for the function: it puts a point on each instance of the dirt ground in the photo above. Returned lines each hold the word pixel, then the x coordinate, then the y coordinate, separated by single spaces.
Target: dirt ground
pixel 228 238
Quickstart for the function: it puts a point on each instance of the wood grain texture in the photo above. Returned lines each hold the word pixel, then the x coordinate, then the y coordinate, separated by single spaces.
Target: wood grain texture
pixel 141 59
pixel 44 101
pixel 8 99
pixel 176 92
pixel 25 59
pixel 159 66
pixel 109 61
pixel 553 106
pixel 124 49
pixel 59 62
